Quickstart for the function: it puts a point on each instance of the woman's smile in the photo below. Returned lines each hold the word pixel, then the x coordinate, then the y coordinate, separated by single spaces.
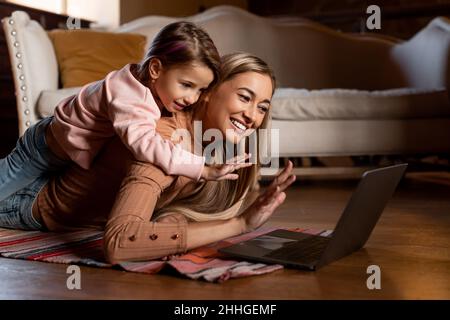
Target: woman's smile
pixel 238 125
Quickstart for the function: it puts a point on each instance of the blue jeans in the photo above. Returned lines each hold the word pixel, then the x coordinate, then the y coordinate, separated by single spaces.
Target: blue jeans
pixel 30 159
pixel 16 210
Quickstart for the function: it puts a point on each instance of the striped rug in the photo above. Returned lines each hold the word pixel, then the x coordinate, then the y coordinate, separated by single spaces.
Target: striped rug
pixel 85 248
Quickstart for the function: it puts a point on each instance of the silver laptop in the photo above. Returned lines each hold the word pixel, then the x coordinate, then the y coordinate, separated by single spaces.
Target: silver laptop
pixel 305 251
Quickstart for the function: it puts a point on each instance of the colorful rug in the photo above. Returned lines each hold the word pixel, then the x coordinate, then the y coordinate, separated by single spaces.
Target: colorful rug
pixel 85 248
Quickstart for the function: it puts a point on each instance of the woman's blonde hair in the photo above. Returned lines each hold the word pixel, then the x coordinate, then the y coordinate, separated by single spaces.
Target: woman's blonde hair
pixel 221 199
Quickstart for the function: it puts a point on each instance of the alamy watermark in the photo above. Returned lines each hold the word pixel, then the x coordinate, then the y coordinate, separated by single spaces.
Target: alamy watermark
pixel 374 20
pixel 74 280
pixel 73 23
pixel 263 145
pixel 374 280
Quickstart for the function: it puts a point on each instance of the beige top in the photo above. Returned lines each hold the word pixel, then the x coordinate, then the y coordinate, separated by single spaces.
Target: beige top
pixel 120 194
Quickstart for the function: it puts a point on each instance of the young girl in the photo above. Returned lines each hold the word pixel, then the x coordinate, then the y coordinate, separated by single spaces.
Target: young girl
pixel 181 64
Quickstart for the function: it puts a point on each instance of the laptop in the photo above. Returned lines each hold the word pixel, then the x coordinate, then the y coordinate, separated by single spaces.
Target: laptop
pixel 311 252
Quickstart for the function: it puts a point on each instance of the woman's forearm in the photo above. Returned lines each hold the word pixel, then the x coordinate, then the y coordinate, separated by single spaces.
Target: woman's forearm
pixel 203 233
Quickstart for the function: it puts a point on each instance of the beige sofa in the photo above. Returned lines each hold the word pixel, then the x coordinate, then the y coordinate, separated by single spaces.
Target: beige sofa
pixel 339 94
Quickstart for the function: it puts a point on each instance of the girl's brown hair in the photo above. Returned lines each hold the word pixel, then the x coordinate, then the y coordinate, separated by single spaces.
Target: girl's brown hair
pixel 181 43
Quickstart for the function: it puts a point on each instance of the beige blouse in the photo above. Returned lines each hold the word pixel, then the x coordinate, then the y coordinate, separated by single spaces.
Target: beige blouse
pixel 120 194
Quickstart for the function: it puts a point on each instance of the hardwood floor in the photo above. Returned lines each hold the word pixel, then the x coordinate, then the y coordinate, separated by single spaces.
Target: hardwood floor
pixel 410 244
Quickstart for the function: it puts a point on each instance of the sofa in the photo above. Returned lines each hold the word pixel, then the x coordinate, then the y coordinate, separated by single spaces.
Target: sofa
pixel 338 94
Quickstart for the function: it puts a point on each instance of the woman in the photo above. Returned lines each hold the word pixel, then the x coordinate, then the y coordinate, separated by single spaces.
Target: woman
pixel 147 214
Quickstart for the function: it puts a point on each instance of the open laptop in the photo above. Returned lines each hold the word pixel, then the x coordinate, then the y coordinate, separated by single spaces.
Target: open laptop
pixel 305 251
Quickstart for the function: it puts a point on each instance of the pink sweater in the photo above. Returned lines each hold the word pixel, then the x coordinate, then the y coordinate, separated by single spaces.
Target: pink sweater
pixel 119 105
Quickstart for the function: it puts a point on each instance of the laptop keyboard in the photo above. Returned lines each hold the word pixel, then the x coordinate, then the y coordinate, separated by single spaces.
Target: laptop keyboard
pixel 307 251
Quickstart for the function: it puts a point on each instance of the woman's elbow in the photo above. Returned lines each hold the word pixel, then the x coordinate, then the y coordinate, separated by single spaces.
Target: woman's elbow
pixel 111 238
pixel 110 250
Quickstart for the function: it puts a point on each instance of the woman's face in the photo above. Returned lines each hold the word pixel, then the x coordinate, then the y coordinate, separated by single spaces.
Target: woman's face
pixel 238 106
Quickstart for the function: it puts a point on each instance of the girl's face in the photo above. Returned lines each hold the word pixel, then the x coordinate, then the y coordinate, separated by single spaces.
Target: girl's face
pixel 178 87
pixel 238 106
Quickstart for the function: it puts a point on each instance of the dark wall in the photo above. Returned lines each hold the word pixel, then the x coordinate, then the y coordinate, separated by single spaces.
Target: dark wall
pixel 399 18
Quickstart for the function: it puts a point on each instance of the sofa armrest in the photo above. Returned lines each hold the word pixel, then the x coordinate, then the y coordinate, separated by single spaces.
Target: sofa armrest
pixel 425 58
pixel 33 62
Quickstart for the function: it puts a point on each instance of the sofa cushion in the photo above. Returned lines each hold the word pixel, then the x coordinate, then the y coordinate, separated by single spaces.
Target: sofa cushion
pixel 85 55
pixel 403 103
pixel 50 98
pixel 326 104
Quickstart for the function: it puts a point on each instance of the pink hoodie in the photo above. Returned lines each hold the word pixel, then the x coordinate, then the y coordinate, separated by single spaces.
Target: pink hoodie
pixel 119 105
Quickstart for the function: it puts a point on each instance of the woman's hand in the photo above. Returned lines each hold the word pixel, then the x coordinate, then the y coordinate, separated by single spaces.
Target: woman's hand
pixel 264 206
pixel 225 171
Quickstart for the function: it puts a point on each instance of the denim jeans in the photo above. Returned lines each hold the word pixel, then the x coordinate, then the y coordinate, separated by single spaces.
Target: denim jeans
pixel 30 159
pixel 16 210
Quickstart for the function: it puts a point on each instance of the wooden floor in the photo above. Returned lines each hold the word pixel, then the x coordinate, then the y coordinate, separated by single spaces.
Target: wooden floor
pixel 410 244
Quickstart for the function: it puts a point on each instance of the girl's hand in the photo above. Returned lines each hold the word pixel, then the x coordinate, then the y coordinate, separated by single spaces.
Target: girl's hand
pixel 224 171
pixel 264 206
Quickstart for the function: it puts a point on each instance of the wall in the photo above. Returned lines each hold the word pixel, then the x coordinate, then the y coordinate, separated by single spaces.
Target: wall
pixel 105 13
pixel 399 18
pixel 132 9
